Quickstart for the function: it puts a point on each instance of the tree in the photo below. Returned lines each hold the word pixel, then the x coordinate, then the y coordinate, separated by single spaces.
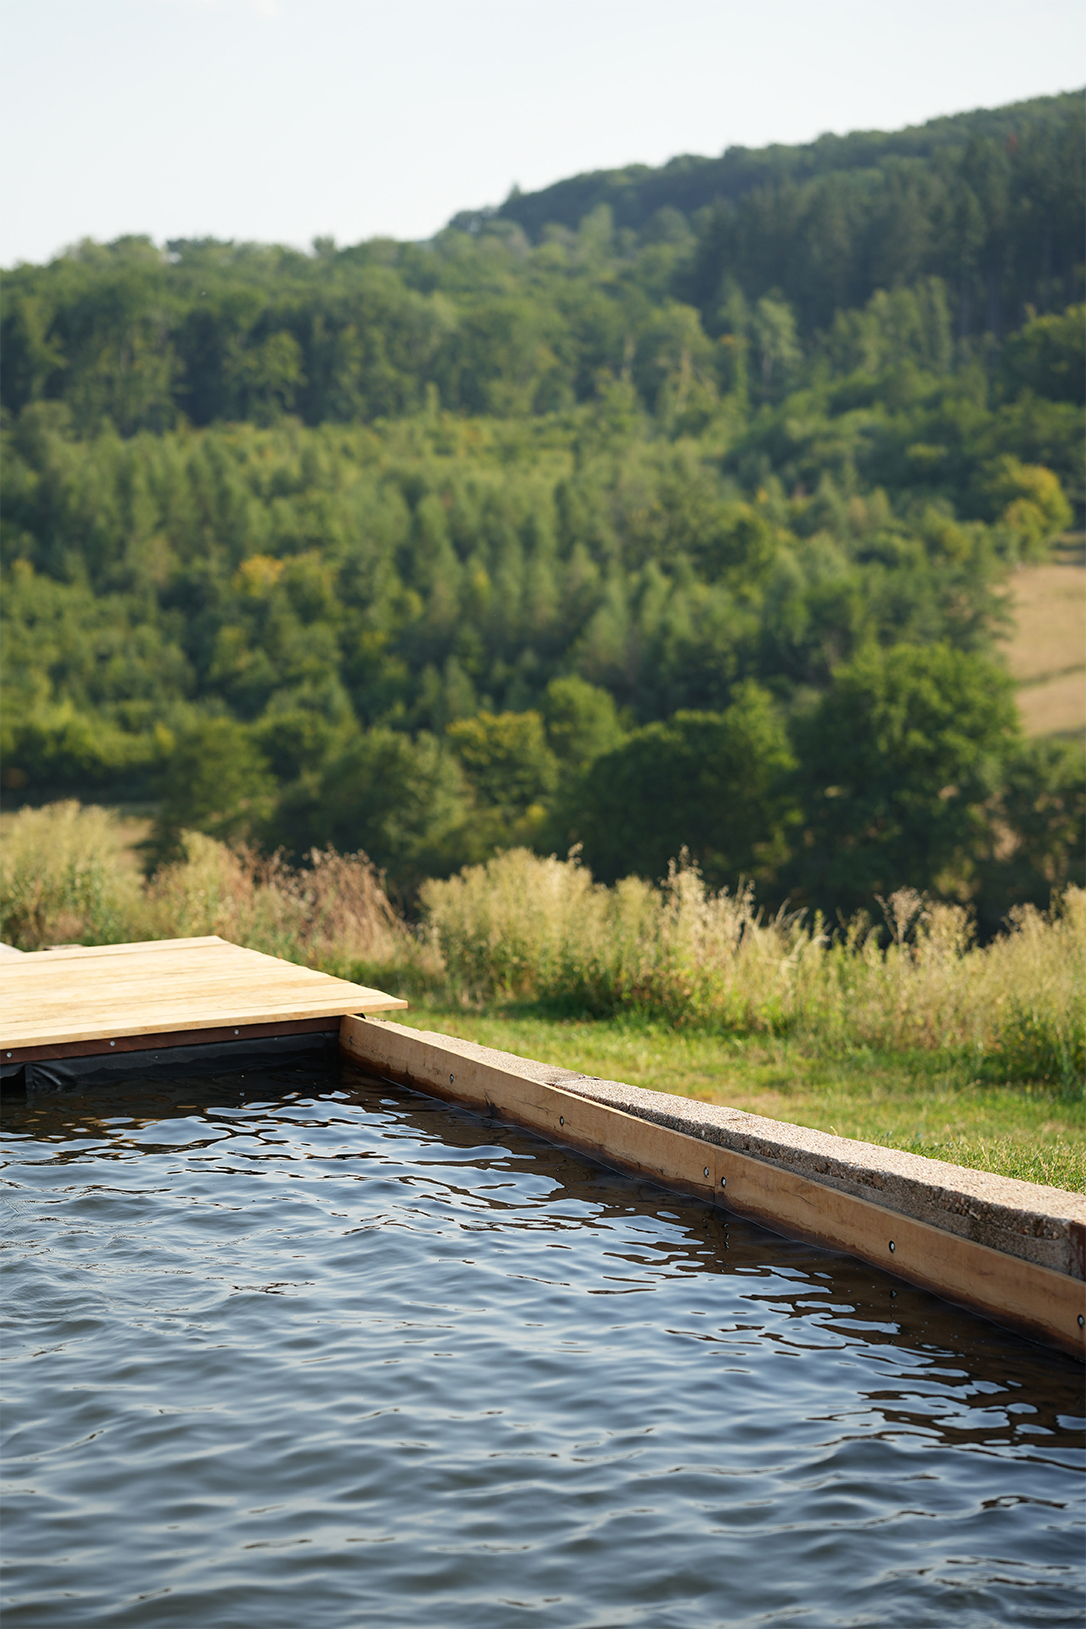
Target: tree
pixel 716 784
pixel 776 344
pixel 1038 834
pixel 898 763
pixel 264 378
pixel 1034 508
pixel 403 801
pixel 216 780
pixel 1046 356
pixel 506 759
pixel 581 722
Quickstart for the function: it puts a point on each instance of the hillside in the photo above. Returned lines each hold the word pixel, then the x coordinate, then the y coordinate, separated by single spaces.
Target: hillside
pixel 691 183
pixel 487 319
pixel 686 532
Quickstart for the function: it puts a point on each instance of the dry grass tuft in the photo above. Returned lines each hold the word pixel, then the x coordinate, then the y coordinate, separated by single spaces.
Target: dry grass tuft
pixel 65 878
pixel 336 911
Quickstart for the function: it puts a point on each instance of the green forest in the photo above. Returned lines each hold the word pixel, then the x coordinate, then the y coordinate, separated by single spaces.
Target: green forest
pixel 660 510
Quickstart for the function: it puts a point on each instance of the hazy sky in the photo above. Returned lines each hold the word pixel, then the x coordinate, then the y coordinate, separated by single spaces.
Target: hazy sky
pixel 284 119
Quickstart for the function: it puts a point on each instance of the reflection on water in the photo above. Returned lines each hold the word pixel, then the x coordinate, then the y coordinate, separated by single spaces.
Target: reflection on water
pixel 305 1349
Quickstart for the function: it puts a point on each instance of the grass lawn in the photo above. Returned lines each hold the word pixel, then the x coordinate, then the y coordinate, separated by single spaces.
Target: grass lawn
pixel 1046 650
pixel 918 1102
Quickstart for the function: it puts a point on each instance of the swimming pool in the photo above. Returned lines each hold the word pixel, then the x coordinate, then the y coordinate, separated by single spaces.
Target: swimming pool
pixel 300 1348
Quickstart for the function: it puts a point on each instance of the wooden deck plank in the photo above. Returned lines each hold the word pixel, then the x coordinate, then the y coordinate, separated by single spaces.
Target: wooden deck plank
pixel 91 993
pixel 197 967
pixel 216 974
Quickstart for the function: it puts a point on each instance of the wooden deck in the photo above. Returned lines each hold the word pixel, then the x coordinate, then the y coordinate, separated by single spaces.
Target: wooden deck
pixel 101 998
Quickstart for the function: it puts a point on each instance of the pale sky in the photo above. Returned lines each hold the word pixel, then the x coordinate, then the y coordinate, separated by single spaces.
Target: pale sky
pixel 280 120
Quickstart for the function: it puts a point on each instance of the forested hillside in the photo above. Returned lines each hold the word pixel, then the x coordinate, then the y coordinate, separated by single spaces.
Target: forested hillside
pixel 662 508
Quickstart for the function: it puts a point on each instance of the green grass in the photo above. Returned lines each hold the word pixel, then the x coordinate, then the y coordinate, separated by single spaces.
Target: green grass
pixel 917 1101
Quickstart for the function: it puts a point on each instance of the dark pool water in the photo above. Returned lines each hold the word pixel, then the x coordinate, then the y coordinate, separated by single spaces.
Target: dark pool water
pixel 300 1349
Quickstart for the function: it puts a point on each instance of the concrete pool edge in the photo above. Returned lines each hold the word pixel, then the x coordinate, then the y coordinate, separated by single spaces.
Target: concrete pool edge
pixel 1013 1251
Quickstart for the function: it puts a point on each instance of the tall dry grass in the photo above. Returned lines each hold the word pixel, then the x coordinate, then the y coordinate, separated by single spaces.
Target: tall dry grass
pixel 332 914
pixel 525 928
pixel 65 878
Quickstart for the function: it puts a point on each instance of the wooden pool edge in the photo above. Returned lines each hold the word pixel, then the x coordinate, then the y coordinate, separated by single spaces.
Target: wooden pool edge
pixel 1038 1301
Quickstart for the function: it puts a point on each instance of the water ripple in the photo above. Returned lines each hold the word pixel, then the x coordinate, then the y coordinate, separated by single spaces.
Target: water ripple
pixel 304 1349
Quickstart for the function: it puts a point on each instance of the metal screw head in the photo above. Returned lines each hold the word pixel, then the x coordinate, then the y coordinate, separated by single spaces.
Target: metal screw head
pixel 706 1170
pixel 561 1119
pixel 113 1043
pixel 1081 1320
pixel 891 1246
pixel 451 1079
pixel 723 1182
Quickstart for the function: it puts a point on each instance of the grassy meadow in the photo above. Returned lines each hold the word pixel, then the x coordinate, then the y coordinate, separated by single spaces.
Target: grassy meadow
pixel 1046 650
pixel 901 1031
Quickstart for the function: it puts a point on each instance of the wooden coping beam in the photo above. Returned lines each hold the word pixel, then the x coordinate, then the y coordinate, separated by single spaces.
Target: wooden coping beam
pixel 1045 1302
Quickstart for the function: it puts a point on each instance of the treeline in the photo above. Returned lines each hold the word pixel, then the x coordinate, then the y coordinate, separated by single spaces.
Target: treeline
pixel 992 202
pixel 436 549
pixel 689 183
pixel 416 575
pixel 743 292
